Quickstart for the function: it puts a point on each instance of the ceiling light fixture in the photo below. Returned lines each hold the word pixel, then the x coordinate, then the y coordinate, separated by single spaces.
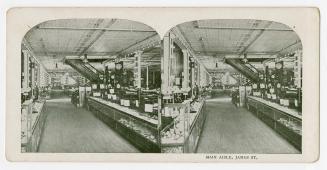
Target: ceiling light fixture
pixel 245 58
pixel 85 58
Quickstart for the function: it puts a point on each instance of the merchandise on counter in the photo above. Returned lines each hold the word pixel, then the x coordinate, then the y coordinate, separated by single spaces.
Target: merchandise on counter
pixel 257 94
pixel 172 149
pixel 96 94
pixel 138 128
pixel 195 106
pixel 126 103
pixel 273 96
pixel 291 125
pixel 148 108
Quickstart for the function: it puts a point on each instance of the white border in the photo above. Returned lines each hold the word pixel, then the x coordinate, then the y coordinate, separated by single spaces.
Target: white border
pixel 322 4
pixel 304 21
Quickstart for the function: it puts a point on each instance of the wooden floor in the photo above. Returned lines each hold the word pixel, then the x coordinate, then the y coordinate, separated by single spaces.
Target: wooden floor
pixel 72 130
pixel 229 129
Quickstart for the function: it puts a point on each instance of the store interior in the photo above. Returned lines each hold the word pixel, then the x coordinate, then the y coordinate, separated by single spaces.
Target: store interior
pixel 117 86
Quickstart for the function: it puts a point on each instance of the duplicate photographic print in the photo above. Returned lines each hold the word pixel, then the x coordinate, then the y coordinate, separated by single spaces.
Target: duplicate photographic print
pixel 221 88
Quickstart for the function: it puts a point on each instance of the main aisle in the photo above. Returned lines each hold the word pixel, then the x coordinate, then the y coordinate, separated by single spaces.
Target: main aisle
pixel 70 129
pixel 229 129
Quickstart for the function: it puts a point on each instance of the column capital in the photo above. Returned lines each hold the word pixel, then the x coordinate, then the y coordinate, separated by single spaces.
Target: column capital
pixel 138 52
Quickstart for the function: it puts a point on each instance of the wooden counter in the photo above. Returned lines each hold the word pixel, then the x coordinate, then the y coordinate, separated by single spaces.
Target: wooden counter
pixel 142 131
pixel 126 110
pixel 138 129
pixel 283 109
pixel 287 122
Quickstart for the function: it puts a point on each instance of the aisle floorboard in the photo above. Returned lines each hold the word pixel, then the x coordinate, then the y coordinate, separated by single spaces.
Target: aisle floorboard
pixel 229 129
pixel 70 129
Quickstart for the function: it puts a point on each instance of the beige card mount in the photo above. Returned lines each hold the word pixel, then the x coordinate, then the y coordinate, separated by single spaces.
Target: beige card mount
pixel 147 81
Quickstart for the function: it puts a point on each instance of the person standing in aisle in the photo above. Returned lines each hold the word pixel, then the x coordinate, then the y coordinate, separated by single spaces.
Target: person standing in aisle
pixel 36 97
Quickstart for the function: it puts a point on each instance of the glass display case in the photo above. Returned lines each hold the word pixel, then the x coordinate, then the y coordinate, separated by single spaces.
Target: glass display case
pixel 34 92
pixel 182 134
pixel 294 124
pixel 283 120
pixel 290 128
pixel 138 128
pixel 176 131
pixel 32 122
pixel 147 131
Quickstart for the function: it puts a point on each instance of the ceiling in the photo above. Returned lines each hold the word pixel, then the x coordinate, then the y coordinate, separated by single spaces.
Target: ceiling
pixel 212 40
pixel 51 41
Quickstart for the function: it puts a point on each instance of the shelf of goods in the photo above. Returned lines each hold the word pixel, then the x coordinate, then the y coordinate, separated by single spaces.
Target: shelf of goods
pixel 287 122
pixel 146 132
pixel 33 119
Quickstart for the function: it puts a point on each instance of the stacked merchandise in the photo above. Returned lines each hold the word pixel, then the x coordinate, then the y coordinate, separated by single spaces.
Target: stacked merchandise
pixel 271 85
pixel 142 130
pixel 259 88
pixel 293 125
pixel 117 86
pixel 279 85
pixel 175 131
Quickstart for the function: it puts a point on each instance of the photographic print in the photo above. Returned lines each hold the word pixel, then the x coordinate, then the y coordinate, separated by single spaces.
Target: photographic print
pixel 205 88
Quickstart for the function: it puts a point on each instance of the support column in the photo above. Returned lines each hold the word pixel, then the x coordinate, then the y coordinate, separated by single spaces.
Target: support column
pixel 26 69
pixel 192 76
pixel 166 64
pixel 153 77
pixel 33 78
pixel 138 55
pixel 147 77
pixel 185 84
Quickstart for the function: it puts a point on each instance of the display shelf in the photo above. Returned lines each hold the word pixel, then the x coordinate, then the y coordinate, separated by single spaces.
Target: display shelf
pixel 285 121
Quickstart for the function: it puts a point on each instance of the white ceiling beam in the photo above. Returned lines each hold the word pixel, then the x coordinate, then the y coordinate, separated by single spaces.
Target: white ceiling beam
pixel 62 71
pixel 97 37
pixel 255 38
pixel 90 57
pixel 69 53
pixel 139 44
pixel 288 46
pixel 196 24
pixel 44 49
pixel 252 56
pixel 223 53
pixel 297 42
pixel 243 28
pixel 96 29
pixel 182 38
